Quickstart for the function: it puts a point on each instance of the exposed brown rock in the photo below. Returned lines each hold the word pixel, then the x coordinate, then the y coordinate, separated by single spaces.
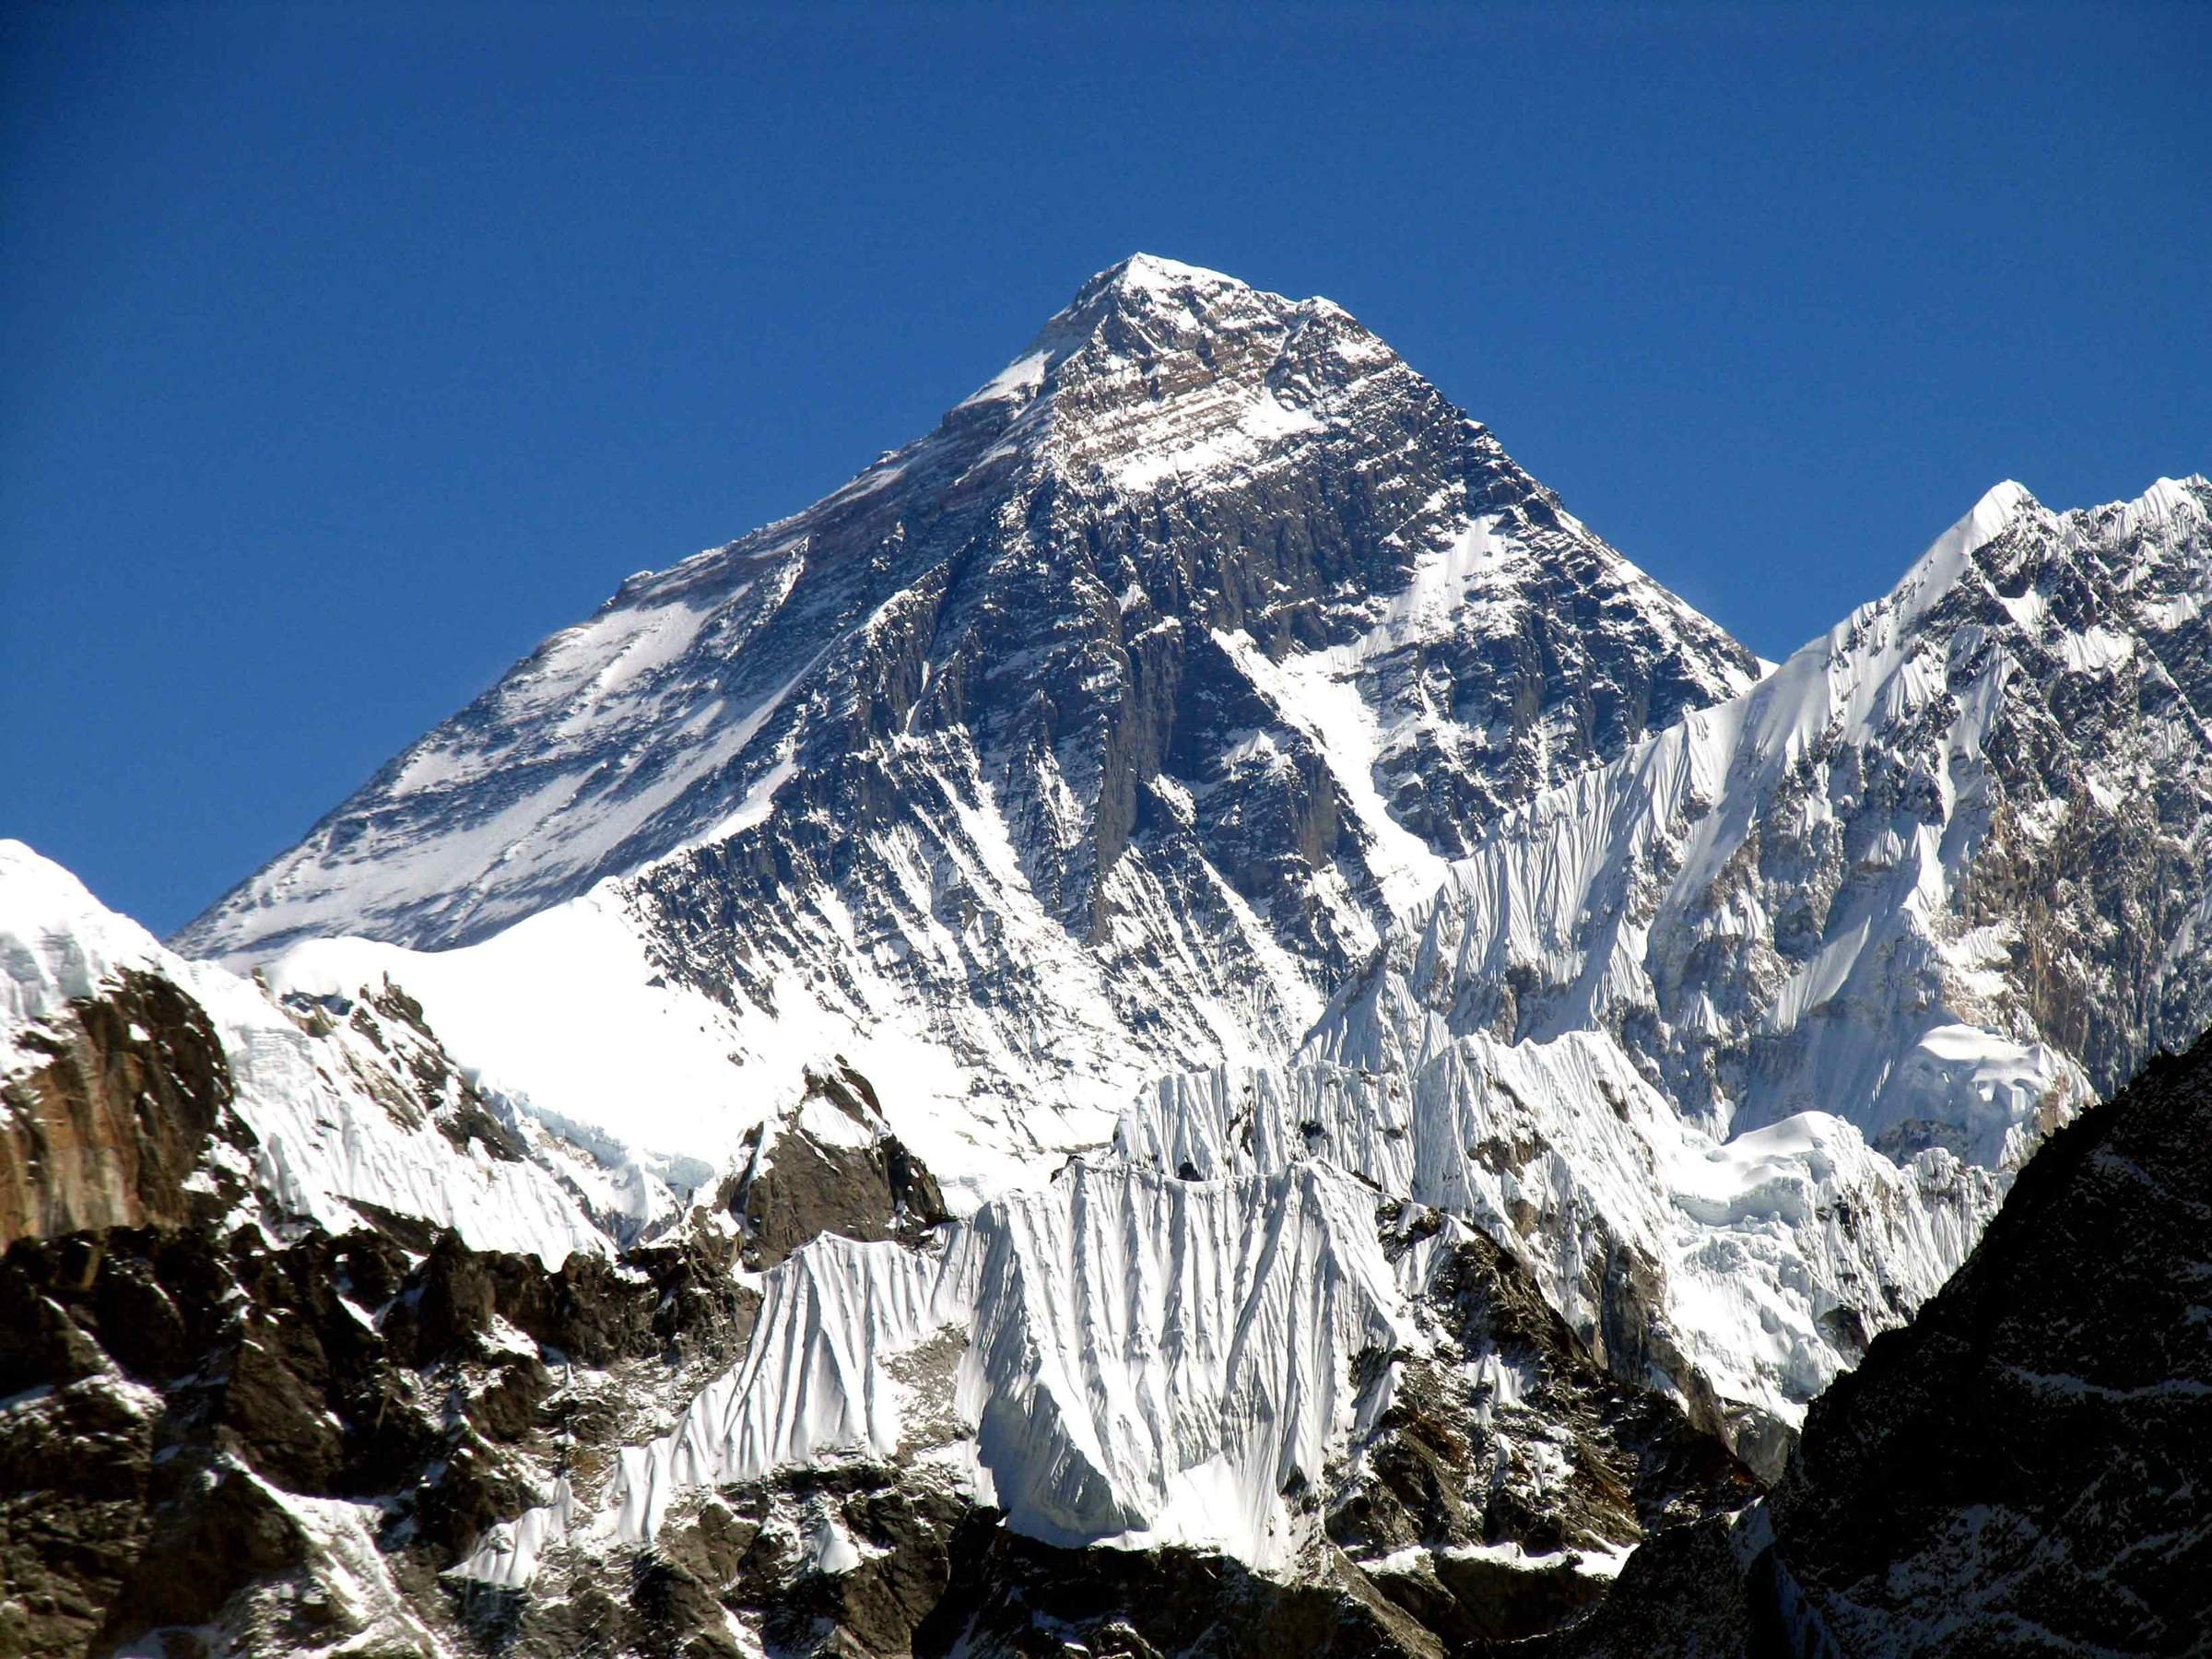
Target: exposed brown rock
pixel 796 1186
pixel 106 1134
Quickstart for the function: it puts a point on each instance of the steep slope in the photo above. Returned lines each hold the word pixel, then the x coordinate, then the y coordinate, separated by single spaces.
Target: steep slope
pixel 1324 1394
pixel 1944 874
pixel 1734 1039
pixel 268 1267
pixel 1739 1278
pixel 1091 736
pixel 274 1379
pixel 2022 1468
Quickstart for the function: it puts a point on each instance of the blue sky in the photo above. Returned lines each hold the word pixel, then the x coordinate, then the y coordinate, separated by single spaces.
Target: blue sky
pixel 345 353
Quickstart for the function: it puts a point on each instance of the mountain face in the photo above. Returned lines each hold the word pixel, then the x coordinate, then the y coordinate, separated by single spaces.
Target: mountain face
pixel 1185 1019
pixel 1944 874
pixel 2021 1469
pixel 1094 735
pixel 278 1382
pixel 1734 1039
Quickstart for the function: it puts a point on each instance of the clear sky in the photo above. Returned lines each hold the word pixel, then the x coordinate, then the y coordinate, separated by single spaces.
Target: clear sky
pixel 345 352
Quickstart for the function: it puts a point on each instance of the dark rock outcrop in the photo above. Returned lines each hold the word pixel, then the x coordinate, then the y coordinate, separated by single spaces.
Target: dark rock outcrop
pixel 2021 1469
pixel 860 1181
pixel 177 1403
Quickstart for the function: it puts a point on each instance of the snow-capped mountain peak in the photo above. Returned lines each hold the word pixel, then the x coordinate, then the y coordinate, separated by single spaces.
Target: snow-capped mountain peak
pixel 1096 732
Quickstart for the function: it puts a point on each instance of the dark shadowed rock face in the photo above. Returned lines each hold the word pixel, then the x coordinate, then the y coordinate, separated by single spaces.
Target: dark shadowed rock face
pixel 2027 1462
pixel 213 1432
pixel 1514 1435
pixel 2023 1468
pixel 830 1165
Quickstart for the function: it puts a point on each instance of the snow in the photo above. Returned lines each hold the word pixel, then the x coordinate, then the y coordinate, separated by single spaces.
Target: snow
pixel 1316 692
pixel 1554 887
pixel 760 801
pixel 536 787
pixel 1159 275
pixel 1151 1361
pixel 1154 1359
pixel 815 1382
pixel 559 1014
pixel 1019 379
pixel 325 1142
pixel 1743 1234
pixel 1257 428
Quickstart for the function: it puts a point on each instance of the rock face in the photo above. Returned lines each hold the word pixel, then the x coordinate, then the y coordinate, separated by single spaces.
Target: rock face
pixel 1897 911
pixel 277 1448
pixel 2022 1468
pixel 1091 736
pixel 234 1429
pixel 2039 1439
pixel 830 1164
pixel 111 1128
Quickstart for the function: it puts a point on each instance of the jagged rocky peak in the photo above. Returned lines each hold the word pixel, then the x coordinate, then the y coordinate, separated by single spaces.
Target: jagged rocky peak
pixel 1157 367
pixel 828 1163
pixel 1175 447
pixel 1093 735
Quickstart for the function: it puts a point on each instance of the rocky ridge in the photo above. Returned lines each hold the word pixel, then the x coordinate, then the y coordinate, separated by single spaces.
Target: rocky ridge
pixel 1943 872
pixel 244 1428
pixel 1863 934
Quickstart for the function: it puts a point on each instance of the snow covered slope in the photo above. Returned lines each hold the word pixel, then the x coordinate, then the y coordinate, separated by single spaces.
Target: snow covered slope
pixel 1135 1360
pixel 1740 1278
pixel 338 1114
pixel 1093 735
pixel 1733 1041
pixel 1944 874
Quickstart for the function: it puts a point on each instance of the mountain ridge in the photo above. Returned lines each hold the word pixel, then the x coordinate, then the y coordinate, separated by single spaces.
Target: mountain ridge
pixel 1187 970
pixel 1098 729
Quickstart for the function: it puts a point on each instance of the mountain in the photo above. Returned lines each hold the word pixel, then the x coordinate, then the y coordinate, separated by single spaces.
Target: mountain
pixel 1185 1020
pixel 147 1090
pixel 1093 735
pixel 1735 1040
pixel 1944 874
pixel 312 1343
pixel 2019 1470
